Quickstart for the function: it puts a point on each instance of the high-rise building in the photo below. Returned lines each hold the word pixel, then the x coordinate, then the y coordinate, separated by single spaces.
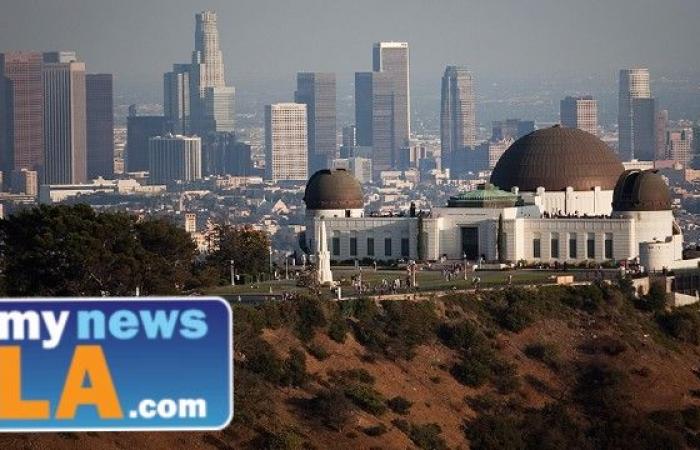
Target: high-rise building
pixel 457 113
pixel 176 99
pixel 374 117
pixel 25 182
pixel 392 58
pixel 580 112
pixel 21 111
pixel 211 101
pixel 679 145
pixel 634 83
pixel 65 137
pixel 511 128
pixel 349 136
pixel 224 154
pixel 99 105
pixel 286 142
pixel 317 91
pixel 174 158
pixel 644 129
pixel 661 123
pixel 139 129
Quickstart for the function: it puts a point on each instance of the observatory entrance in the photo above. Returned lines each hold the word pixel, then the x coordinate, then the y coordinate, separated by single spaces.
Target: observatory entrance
pixel 470 242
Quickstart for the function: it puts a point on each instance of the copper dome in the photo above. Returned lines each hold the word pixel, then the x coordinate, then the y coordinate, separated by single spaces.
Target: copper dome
pixel 641 190
pixel 333 189
pixel 556 158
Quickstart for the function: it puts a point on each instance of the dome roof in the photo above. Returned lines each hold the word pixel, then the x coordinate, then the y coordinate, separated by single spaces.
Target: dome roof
pixel 641 190
pixel 333 189
pixel 556 158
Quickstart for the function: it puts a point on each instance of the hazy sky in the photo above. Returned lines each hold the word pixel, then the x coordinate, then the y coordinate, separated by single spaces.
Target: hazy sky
pixel 139 39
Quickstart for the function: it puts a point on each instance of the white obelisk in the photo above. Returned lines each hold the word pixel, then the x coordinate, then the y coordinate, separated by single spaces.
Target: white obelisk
pixel 323 256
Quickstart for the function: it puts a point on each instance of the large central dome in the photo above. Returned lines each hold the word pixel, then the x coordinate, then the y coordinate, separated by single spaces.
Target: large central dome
pixel 556 158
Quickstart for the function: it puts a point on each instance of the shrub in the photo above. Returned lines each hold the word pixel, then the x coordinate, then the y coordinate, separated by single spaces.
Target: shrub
pixel 285 439
pixel 516 310
pixel 494 432
pixel 295 369
pixel 655 299
pixel 427 436
pixel 691 417
pixel 608 345
pixel 545 353
pixel 376 430
pixel 265 362
pixel 400 405
pixel 366 398
pixel 471 372
pixel 318 351
pixel 682 324
pixel 461 336
pixel 310 316
pixel 332 407
pixel 587 298
pixel 402 425
pixel 504 376
pixel 338 328
pixel 357 374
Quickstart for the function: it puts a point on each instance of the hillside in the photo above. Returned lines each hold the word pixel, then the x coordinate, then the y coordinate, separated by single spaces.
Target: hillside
pixel 555 368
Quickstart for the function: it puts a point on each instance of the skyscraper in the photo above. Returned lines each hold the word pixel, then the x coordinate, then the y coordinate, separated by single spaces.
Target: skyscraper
pixel 679 145
pixel 174 157
pixel 100 125
pixel 176 98
pixel 139 129
pixel 580 112
pixel 661 123
pixel 374 117
pixel 511 128
pixel 317 92
pixel 211 101
pixel 21 112
pixel 392 58
pixel 457 113
pixel 634 83
pixel 65 138
pixel 286 142
pixel 644 129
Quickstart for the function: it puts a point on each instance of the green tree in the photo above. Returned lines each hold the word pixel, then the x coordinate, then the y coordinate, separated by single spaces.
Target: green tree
pixel 248 248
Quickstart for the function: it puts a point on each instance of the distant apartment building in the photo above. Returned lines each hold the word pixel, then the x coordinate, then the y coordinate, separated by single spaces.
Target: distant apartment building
pixel 457 113
pixel 65 121
pixel 174 158
pixel 286 142
pixel 318 92
pixel 580 112
pixel 634 84
pixel 100 125
pixel 21 111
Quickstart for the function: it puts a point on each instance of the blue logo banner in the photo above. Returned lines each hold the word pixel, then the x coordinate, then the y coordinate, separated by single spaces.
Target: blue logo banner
pixel 115 364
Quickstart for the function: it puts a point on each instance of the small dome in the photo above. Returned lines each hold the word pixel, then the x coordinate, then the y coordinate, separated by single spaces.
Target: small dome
pixel 556 158
pixel 333 189
pixel 641 190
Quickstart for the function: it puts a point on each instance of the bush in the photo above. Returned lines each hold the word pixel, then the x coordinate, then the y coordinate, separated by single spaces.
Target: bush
pixel 285 439
pixel 471 372
pixel 295 369
pixel 376 430
pixel 366 398
pixel 655 299
pixel 402 425
pixel 515 310
pixel 494 432
pixel 338 328
pixel 608 345
pixel 504 376
pixel 332 407
pixel 318 351
pixel 545 353
pixel 264 361
pixel 310 316
pixel 400 405
pixel 358 374
pixel 427 436
pixel 587 298
pixel 682 324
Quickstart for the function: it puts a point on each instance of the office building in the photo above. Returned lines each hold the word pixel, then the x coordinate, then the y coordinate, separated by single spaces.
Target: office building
pixel 21 111
pixel 644 129
pixel 318 92
pixel 679 145
pixel 211 101
pixel 457 113
pixel 511 128
pixel 176 99
pixel 174 158
pixel 99 106
pixel 580 112
pixel 286 142
pixel 661 129
pixel 374 117
pixel 25 182
pixel 65 134
pixel 634 83
pixel 392 58
pixel 223 154
pixel 139 129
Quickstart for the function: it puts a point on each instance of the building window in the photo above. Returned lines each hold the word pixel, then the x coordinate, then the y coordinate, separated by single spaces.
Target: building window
pixel 405 247
pixel 353 246
pixel 572 246
pixel 370 246
pixel 608 246
pixel 336 246
pixel 590 246
pixel 554 248
pixel 347 213
pixel 387 247
pixel 537 247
